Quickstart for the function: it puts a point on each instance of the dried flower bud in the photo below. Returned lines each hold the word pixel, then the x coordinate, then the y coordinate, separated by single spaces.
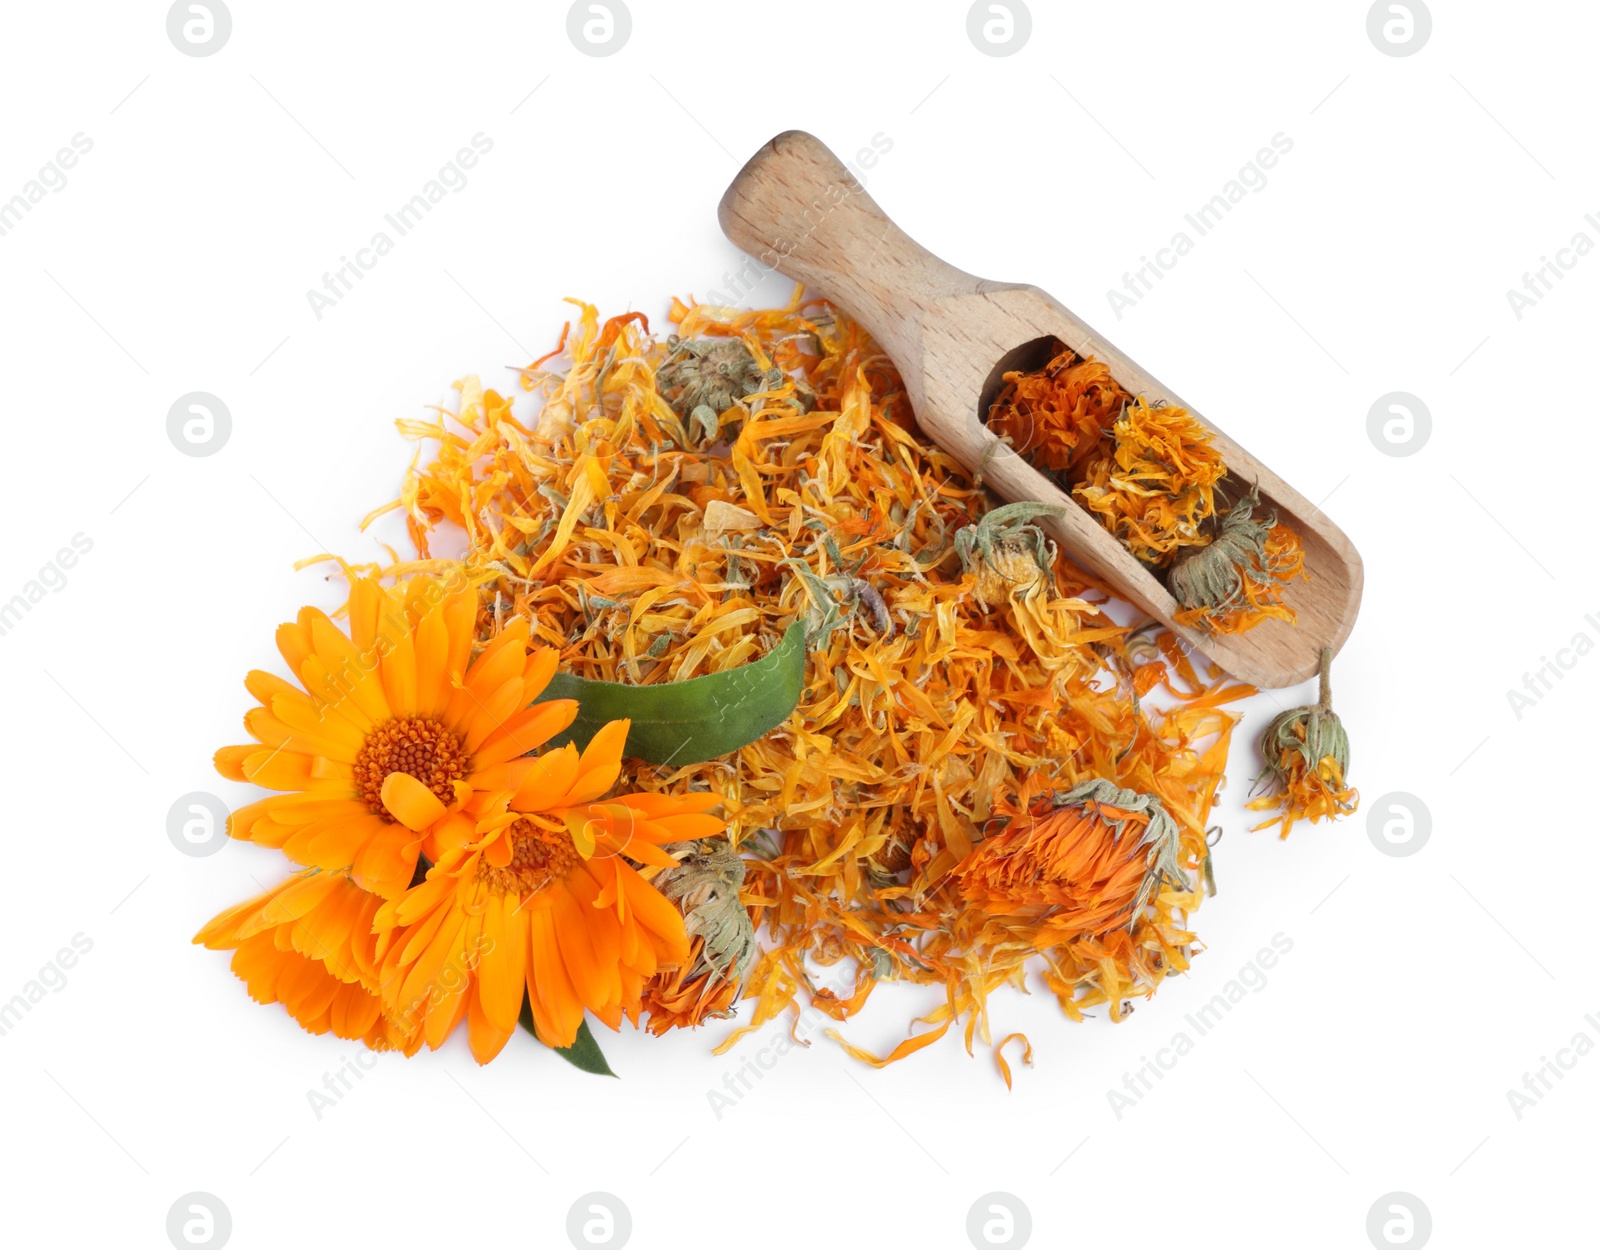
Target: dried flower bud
pixel 1236 580
pixel 1010 568
pixel 1056 415
pixel 1152 485
pixel 1306 758
pixel 1011 556
pixel 1083 862
pixel 705 888
pixel 711 375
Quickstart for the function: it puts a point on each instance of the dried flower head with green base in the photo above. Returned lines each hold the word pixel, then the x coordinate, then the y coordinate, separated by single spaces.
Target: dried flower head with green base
pixel 1008 553
pixel 1306 754
pixel 705 888
pixel 702 378
pixel 1081 864
pixel 1236 580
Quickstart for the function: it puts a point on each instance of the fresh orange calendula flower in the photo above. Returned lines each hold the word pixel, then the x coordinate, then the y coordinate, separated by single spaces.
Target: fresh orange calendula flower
pixel 541 885
pixel 401 749
pixel 393 730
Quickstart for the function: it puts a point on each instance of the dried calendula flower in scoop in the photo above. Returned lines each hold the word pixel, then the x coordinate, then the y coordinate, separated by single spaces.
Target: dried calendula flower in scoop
pixel 1057 415
pixel 1236 581
pixel 1153 488
pixel 1307 756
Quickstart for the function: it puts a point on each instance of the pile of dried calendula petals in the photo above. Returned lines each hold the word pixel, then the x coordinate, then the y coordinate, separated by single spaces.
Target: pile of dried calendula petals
pixel 1151 476
pixel 986 776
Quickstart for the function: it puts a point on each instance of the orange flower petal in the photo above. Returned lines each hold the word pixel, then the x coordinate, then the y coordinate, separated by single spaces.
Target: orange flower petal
pixel 410 802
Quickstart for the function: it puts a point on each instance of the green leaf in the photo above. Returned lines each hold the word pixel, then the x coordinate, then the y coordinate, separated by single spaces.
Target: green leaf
pixel 583 1053
pixel 687 722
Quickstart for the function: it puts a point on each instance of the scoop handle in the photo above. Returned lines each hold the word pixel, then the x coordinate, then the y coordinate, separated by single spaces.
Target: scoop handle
pixel 798 209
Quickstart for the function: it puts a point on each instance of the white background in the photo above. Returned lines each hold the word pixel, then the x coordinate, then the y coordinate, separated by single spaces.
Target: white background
pixel 177 258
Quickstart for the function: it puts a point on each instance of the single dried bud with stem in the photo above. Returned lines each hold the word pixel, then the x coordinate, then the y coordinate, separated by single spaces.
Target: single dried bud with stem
pixel 1306 757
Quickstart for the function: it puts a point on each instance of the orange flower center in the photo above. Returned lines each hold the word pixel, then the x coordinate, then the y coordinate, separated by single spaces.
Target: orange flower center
pixel 417 745
pixel 538 856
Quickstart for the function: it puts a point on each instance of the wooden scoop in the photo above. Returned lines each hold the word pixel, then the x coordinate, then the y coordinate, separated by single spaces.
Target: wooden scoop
pixel 797 209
